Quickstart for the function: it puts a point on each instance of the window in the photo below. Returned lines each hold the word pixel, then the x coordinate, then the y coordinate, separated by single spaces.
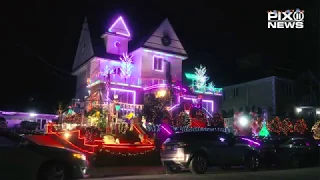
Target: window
pixel 235 92
pixel 158 63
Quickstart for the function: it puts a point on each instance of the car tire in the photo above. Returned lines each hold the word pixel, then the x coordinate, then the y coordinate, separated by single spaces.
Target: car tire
pixel 53 170
pixel 198 164
pixel 252 163
pixel 172 169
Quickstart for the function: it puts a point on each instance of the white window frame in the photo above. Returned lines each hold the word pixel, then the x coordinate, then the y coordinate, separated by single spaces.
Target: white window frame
pixel 159 67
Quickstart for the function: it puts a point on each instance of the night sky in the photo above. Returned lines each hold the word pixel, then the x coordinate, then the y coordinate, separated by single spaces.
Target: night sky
pixel 233 42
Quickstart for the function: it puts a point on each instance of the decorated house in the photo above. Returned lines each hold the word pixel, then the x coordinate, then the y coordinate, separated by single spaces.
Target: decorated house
pixel 108 72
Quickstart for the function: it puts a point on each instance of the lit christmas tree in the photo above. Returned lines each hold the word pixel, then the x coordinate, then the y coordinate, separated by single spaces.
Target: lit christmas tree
pixel 126 65
pixel 201 78
pixel 264 130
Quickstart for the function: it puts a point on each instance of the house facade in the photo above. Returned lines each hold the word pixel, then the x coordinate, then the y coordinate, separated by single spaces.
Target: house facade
pixel 272 94
pixel 107 68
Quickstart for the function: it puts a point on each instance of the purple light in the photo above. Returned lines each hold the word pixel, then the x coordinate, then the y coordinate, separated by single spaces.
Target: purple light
pixel 169 133
pixel 116 44
pixel 120 20
pixel 209 101
pixel 251 141
pixel 173 107
pixel 222 139
pixel 156 86
pixel 126 90
pixel 162 62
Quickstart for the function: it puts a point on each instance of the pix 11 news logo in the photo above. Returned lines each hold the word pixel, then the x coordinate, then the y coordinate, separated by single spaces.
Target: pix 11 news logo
pixel 289 19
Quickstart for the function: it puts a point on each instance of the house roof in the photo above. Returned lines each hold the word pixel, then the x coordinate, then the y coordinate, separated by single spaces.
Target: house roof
pixel 99 24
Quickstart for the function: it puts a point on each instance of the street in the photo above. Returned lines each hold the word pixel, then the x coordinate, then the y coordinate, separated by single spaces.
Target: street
pixel 290 174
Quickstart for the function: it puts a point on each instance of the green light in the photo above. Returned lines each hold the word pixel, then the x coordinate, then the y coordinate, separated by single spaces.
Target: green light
pixel 190 76
pixel 264 131
pixel 118 107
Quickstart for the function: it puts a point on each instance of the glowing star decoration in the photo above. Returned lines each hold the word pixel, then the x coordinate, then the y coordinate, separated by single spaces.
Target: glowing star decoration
pixel 201 78
pixel 119 27
pixel 126 65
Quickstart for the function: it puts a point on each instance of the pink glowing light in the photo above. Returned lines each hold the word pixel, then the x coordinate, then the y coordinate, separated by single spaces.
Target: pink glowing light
pixel 209 101
pixel 162 63
pixel 120 22
pixel 173 107
pixel 127 90
pixel 251 141
pixel 169 133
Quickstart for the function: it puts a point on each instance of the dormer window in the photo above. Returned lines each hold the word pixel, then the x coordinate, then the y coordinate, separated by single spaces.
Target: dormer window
pixel 158 63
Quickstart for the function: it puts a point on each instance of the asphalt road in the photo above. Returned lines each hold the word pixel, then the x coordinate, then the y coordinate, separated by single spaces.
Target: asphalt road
pixel 289 174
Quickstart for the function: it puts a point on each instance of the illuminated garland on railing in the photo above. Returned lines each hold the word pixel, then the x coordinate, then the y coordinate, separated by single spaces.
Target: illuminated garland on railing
pixel 157 128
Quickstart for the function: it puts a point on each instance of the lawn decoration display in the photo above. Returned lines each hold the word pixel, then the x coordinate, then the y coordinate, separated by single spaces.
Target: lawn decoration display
pixel 183 119
pixel 256 126
pixel 217 121
pixel 287 127
pixel 275 125
pixel 300 126
pixel 242 124
pixel 316 130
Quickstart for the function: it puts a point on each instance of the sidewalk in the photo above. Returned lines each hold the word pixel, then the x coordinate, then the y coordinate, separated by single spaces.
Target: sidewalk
pixel 98 172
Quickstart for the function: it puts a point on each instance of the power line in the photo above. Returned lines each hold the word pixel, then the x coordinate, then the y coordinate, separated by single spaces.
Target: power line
pixel 46 62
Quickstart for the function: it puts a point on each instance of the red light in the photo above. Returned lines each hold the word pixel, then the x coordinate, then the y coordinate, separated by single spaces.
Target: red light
pixel 162 147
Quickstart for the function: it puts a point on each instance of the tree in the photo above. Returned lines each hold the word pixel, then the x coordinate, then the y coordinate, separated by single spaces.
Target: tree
pixel 183 119
pixel 316 130
pixel 264 130
pixel 155 108
pixel 300 126
pixel 287 126
pixel 275 125
pixel 217 121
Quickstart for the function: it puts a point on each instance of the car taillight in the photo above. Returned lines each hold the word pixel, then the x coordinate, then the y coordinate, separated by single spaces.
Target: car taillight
pixel 182 145
pixel 162 147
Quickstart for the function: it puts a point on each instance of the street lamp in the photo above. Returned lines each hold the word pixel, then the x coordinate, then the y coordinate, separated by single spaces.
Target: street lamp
pixel 299 110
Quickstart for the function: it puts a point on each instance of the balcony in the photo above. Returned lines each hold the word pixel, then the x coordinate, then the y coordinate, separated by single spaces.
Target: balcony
pixel 132 81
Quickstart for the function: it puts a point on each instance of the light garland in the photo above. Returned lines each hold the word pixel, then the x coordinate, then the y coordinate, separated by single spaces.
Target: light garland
pixel 157 128
pixel 128 153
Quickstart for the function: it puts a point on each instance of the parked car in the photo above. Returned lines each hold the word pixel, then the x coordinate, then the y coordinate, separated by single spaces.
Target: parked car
pixel 198 150
pixel 291 152
pixel 23 159
pixel 3 123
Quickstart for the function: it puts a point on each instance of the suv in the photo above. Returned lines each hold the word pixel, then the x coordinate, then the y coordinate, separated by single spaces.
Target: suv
pixel 198 150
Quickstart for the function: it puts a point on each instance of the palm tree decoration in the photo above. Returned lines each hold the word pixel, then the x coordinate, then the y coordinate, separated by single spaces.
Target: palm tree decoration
pixel 201 78
pixel 126 65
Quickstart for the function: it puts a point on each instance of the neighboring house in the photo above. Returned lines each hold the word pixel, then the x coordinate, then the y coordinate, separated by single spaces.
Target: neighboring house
pixel 272 94
pixel 15 118
pixel 97 63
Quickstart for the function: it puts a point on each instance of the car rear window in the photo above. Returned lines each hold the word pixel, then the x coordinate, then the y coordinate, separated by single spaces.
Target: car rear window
pixel 195 135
